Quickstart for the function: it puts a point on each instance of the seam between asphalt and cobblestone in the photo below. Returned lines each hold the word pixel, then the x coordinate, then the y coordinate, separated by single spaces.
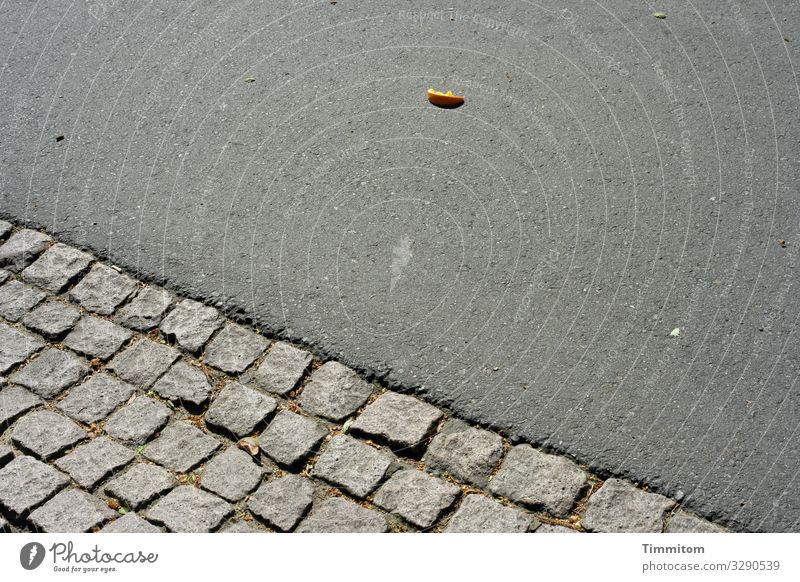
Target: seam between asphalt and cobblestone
pixel 124 407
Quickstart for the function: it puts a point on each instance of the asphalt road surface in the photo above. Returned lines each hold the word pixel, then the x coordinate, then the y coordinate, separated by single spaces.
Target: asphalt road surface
pixel 597 252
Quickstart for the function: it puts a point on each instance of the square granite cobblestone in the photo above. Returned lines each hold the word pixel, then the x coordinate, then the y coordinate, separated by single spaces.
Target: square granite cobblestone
pixel 97 338
pixel 336 515
pixel 25 483
pixel 136 422
pixel 234 348
pixel 334 392
pixel 282 369
pixel 399 421
pixel 185 384
pixel 239 409
pixel 4 276
pixel 103 289
pixel 191 323
pixel 684 522
pixel 93 462
pixel 417 497
pixel 140 485
pixel 16 346
pixel 145 310
pixel 239 527
pixel 290 439
pixel 282 503
pixel 17 299
pixel 468 454
pixel 52 319
pixel 72 511
pixel 552 528
pixel 539 480
pixel 51 372
pixel 232 474
pixel 14 402
pixel 46 434
pixel 143 362
pixel 480 514
pixel 22 248
pixel 57 267
pixel 130 523
pixel 352 465
pixel 96 398
pixel 189 509
pixel 181 447
pixel 620 507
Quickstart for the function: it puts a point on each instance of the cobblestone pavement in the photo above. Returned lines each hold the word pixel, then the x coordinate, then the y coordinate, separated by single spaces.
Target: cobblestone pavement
pixel 126 409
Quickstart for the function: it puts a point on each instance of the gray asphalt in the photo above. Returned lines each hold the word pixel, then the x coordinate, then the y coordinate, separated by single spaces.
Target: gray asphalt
pixel 522 259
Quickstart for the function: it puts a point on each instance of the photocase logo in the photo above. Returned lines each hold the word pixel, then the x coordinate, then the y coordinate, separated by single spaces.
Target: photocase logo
pixel 31 555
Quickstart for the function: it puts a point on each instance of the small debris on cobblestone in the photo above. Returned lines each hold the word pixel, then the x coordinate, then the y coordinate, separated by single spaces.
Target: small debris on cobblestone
pixel 184 384
pixel 57 267
pixel 15 401
pixel 16 346
pixel 22 248
pixel 91 463
pixel 232 474
pixel 130 523
pixel 97 338
pixel 26 483
pixel 417 497
pixel 144 312
pixel 480 514
pixel 96 398
pixel 52 319
pixel 468 454
pixel 72 511
pixel 336 515
pixel 239 409
pixel 17 299
pixel 191 324
pixel 143 362
pixel 51 372
pixel 136 422
pixel 234 348
pixel 181 447
pixel 46 434
pixel 282 369
pixel 334 392
pixel 103 289
pixel 140 485
pixel 352 465
pixel 189 509
pixel 620 507
pixel 282 503
pixel 290 439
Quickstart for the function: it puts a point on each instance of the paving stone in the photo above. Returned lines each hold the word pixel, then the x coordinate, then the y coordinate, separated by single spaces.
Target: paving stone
pixel 399 421
pixel 480 514
pixel 181 447
pixel 131 523
pixel 17 299
pixel 282 503
pixel 185 384
pixel 72 511
pixel 91 463
pixel 191 324
pixel 4 275
pixel 140 485
pixel 232 474
pixel 25 483
pixel 336 515
pixel 684 522
pixel 97 338
pixel 468 454
pixel 143 362
pixel 240 409
pixel 46 434
pixel 144 312
pixel 539 480
pixel 136 422
pixel 551 528
pixel 290 439
pixel 352 465
pixel 6 454
pixel 14 402
pixel 417 497
pixel 52 319
pixel 96 398
pixel 16 346
pixel 620 507
pixel 51 372
pixel 189 509
pixel 282 369
pixel 22 248
pixel 239 527
pixel 103 289
pixel 57 267
pixel 234 348
pixel 5 228
pixel 334 392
